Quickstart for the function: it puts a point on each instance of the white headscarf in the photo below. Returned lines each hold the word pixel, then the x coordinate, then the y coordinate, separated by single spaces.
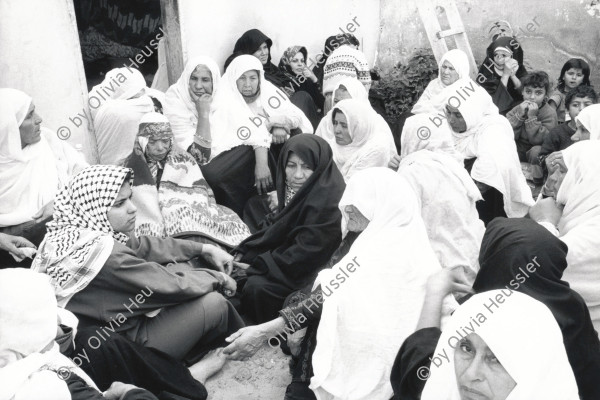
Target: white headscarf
pixel 28 323
pixel 420 132
pixel 590 118
pixel 489 137
pixel 579 225
pixel 431 101
pixel 233 122
pixel 80 237
pixel 179 107
pixel 377 305
pixel 524 336
pixel 344 62
pixel 116 115
pixel 357 91
pixel 372 141
pixel 447 197
pixel 29 176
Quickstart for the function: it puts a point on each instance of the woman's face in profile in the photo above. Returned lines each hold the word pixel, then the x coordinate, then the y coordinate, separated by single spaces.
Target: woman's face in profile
pixel 357 222
pixel 479 374
pixel 340 129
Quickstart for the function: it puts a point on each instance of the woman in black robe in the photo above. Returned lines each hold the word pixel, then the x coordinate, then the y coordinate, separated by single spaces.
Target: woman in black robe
pixel 286 255
pixel 505 95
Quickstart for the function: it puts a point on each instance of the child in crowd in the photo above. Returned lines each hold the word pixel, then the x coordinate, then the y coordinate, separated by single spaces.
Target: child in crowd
pixel 574 73
pixel 532 120
pixel 559 138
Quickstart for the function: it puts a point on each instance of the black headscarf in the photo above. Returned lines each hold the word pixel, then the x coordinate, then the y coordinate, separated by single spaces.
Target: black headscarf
pixel 305 233
pixel 249 43
pixel 513 45
pixel 509 244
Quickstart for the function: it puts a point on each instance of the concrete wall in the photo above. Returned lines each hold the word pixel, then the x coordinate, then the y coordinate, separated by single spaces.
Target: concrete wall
pixel 213 30
pixel 550 32
pixel 40 55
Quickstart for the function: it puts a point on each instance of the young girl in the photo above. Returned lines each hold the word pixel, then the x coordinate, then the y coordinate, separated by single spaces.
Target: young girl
pixel 575 72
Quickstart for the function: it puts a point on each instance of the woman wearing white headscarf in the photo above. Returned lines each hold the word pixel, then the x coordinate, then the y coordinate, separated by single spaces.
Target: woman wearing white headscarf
pixel 187 106
pixel 588 124
pixel 347 88
pixel 116 105
pixel 361 139
pixel 447 195
pixel 574 217
pixel 453 66
pixel 500 344
pixel 247 110
pixel 485 139
pixel 34 164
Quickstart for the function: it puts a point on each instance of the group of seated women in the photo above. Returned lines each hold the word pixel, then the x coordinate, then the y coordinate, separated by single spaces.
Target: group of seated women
pixel 270 205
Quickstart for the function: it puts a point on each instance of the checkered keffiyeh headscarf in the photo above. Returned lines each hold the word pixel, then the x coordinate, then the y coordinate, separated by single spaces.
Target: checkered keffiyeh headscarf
pixel 80 237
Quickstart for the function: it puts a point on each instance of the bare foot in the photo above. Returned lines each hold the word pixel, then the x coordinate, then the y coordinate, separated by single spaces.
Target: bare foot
pixel 212 362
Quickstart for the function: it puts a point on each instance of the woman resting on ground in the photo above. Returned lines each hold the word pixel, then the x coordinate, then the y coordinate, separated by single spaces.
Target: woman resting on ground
pixel 501 71
pixel 498 345
pixel 140 287
pixel 453 66
pixel 573 214
pixel 171 194
pixel 248 113
pixel 519 254
pixel 363 307
pixel 486 141
pixel 116 105
pixel 31 365
pixel 34 164
pixel 293 64
pixel 187 106
pixel 257 44
pixel 362 139
pixel 295 244
pixel 447 194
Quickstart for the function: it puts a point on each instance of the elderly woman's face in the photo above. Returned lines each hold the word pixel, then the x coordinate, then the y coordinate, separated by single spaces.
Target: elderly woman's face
pixel 357 222
pixel 557 170
pixel 448 73
pixel 297 172
pixel 248 83
pixel 581 133
pixel 297 63
pixel 340 129
pixel 479 374
pixel 30 129
pixel 341 94
pixel 262 53
pixel 201 81
pixel 157 149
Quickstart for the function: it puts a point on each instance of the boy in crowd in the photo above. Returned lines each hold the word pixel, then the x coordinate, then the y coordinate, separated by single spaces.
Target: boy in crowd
pixel 532 120
pixel 559 138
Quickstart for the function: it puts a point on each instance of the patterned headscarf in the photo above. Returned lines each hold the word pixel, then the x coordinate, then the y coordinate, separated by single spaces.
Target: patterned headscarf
pixel 153 126
pixel 80 237
pixel 284 62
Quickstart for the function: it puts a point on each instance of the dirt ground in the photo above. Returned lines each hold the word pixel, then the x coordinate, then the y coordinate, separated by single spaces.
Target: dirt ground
pixel 264 377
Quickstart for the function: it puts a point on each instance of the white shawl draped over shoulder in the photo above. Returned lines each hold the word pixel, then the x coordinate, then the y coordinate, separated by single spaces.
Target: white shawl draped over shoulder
pixel 377 302
pixel 234 123
pixel 579 225
pixel 432 100
pixel 31 176
pixel 372 141
pixel 179 107
pixel 420 133
pixel 489 137
pixel 357 91
pixel 523 335
pixel 447 196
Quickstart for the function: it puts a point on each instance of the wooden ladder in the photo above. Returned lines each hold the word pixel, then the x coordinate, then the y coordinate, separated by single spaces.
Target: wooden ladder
pixel 428 10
